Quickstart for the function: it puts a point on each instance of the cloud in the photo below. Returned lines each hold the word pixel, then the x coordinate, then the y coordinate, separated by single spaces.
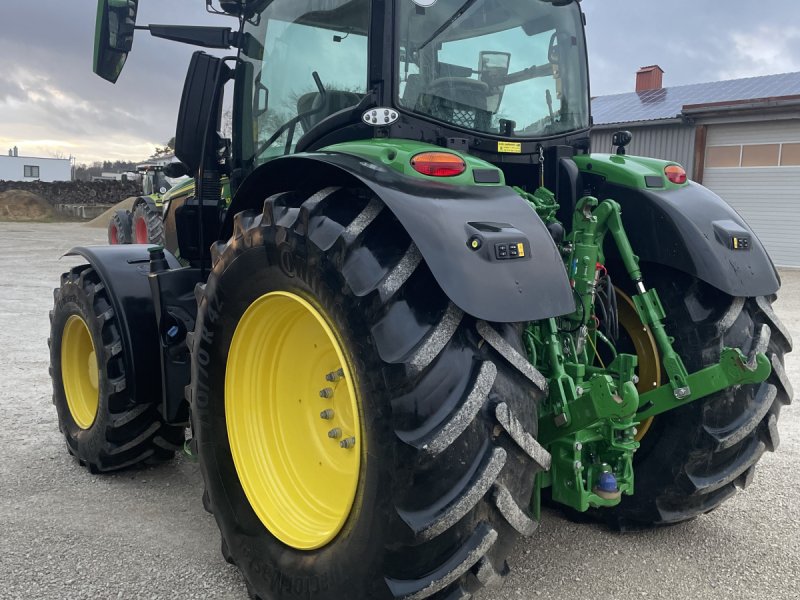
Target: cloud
pixel 51 102
pixel 692 41
pixel 762 51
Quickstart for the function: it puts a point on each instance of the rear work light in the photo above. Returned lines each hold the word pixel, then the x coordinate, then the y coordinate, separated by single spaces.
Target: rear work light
pixel 675 173
pixel 438 164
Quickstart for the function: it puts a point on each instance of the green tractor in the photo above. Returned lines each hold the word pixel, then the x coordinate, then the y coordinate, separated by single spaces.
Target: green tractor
pixel 427 306
pixel 143 223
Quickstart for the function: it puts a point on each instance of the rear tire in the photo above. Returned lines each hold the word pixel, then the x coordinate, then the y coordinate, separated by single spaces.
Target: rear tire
pixel 693 458
pixel 118 433
pixel 147 223
pixel 119 228
pixel 447 418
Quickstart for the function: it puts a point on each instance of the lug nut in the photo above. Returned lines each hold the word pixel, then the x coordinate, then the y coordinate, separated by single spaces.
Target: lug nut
pixel 326 414
pixel 578 465
pixel 326 393
pixel 578 446
pixel 635 379
pixel 335 434
pixel 335 375
pixel 348 443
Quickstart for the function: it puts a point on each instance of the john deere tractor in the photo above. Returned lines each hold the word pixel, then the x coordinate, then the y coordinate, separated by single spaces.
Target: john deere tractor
pixel 427 307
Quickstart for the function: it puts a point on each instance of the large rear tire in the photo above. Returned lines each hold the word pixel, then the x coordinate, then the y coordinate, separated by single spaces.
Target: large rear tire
pixel 447 409
pixel 104 428
pixel 147 223
pixel 693 458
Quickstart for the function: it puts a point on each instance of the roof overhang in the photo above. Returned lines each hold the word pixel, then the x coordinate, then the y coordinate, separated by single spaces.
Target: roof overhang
pixel 651 123
pixel 714 109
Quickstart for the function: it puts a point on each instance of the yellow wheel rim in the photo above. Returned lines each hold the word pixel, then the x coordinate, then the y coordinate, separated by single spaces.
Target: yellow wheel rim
pixel 293 423
pixel 646 350
pixel 80 372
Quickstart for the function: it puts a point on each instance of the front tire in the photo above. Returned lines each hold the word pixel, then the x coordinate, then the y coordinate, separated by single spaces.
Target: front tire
pixel 693 458
pixel 104 429
pixel 446 405
pixel 120 228
pixel 147 223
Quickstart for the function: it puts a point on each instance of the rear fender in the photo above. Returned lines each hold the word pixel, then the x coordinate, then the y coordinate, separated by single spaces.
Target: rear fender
pixel 691 229
pixel 442 220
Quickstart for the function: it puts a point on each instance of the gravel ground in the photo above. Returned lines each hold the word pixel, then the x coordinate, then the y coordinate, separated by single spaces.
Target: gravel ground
pixel 144 534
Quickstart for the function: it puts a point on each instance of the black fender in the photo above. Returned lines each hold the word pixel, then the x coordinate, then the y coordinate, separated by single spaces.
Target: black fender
pixel 148 201
pixel 124 272
pixel 443 220
pixel 691 229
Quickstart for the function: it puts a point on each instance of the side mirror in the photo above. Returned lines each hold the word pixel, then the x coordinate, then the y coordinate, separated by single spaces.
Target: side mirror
pixel 113 38
pixel 200 110
pixel 175 170
pixel 493 68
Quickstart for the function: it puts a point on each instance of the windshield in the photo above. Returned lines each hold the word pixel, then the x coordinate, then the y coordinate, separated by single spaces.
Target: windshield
pixel 305 60
pixel 506 67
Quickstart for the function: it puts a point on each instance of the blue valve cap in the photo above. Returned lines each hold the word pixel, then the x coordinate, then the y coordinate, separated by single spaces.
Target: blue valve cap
pixel 607 483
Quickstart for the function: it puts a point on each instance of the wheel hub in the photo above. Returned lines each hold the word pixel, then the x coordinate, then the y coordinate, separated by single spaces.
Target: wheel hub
pixel 141 231
pixel 80 372
pixel 646 351
pixel 293 420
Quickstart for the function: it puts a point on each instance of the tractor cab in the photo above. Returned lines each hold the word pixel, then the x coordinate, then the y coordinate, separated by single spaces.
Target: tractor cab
pixel 497 78
pixel 154 181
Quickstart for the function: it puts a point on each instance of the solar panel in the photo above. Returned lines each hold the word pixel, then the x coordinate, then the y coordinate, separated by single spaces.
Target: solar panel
pixel 667 103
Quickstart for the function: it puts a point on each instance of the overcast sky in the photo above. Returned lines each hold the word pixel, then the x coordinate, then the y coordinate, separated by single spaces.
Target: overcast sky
pixel 52 104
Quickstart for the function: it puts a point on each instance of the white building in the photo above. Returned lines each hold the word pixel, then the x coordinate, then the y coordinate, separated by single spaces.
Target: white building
pixel 28 168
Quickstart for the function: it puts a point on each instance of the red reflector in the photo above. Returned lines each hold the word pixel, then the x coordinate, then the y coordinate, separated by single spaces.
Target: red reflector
pixel 438 164
pixel 675 173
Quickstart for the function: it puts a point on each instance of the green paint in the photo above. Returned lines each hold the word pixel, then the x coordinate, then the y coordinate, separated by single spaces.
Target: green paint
pixel 731 370
pixel 186 188
pixel 397 154
pixel 628 171
pixel 98 33
pixel 588 420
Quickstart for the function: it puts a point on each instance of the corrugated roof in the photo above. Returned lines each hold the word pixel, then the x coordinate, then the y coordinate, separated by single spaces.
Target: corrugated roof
pixel 667 103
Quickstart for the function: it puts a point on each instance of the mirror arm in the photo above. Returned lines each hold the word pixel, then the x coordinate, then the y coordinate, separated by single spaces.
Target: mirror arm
pixel 222 38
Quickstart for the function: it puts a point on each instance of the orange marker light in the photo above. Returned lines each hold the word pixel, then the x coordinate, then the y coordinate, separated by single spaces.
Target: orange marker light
pixel 675 173
pixel 438 164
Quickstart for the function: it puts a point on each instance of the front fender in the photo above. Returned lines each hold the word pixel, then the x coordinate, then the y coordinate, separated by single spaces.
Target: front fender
pixel 691 229
pixel 442 219
pixel 123 269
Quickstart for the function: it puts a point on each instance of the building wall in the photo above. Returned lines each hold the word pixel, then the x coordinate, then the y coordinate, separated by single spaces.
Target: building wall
pixel 761 132
pixel 765 196
pixel 666 142
pixel 12 168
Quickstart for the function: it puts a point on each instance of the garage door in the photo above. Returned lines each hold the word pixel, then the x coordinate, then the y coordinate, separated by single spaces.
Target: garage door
pixel 755 167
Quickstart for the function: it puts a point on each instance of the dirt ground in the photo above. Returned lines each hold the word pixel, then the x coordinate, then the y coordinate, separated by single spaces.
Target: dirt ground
pixel 144 534
pixel 16 205
pixel 102 220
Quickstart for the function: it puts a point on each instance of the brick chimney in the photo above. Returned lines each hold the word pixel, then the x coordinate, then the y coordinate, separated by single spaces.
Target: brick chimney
pixel 649 78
